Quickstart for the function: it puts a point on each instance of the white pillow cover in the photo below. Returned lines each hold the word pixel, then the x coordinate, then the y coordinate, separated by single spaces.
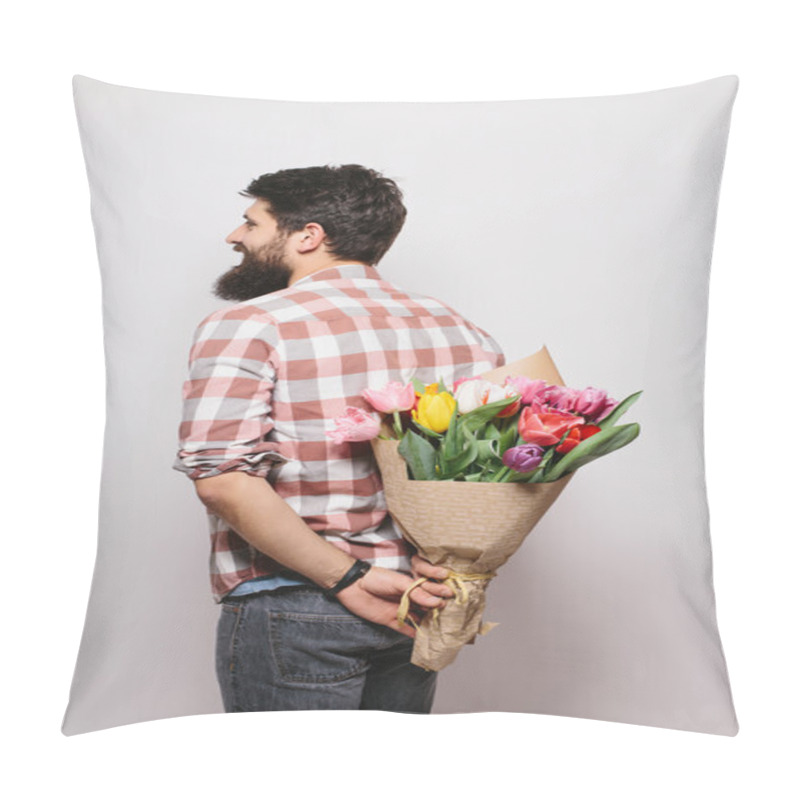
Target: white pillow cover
pixel 584 224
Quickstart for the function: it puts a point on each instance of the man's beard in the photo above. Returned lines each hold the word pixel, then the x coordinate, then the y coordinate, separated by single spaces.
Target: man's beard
pixel 260 273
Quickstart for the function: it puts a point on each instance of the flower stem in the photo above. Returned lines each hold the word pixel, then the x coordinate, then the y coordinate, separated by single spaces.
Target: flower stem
pixel 500 476
pixel 398 427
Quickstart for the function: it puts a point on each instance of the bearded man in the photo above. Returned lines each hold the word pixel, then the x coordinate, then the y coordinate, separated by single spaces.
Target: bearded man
pixel 307 566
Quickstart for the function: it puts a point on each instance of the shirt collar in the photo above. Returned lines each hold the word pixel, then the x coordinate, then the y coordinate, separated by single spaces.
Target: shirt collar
pixel 341 271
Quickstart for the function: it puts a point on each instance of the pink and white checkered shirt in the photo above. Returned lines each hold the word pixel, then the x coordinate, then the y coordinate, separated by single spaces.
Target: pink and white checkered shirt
pixel 267 378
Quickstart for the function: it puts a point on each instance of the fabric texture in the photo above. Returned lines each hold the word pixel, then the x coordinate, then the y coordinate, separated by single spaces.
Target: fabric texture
pixel 584 224
pixel 296 650
pixel 266 379
pixel 267 583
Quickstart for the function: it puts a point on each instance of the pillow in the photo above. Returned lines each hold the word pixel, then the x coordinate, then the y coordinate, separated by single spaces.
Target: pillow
pixel 585 224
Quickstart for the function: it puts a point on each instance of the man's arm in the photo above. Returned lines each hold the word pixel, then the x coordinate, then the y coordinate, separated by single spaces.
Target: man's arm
pixel 261 516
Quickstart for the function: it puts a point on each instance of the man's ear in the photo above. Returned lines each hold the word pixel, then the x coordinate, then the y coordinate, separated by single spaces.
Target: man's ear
pixel 311 238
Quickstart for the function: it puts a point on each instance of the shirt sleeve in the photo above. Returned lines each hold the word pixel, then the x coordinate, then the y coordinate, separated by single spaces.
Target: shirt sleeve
pixel 491 346
pixel 493 351
pixel 227 397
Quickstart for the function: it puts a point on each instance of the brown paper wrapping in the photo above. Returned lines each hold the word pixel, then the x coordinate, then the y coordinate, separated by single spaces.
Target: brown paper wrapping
pixel 471 528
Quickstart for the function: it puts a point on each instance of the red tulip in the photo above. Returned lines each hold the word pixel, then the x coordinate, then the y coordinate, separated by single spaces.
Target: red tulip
pixel 545 428
pixel 575 436
pixel 573 439
pixel 588 430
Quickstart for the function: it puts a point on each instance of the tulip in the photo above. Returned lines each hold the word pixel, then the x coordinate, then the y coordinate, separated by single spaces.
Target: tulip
pixel 560 398
pixel 545 428
pixel 393 397
pixel 469 394
pixel 575 436
pixel 524 458
pixel 588 430
pixel 496 393
pixel 462 380
pixel 573 440
pixel 530 390
pixel 594 404
pixel 355 425
pixel 477 392
pixel 539 406
pixel 434 409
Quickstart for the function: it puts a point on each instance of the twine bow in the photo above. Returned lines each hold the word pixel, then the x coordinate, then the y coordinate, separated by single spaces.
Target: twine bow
pixel 457 582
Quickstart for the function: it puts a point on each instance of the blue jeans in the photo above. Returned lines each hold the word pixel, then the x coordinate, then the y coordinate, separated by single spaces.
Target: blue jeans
pixel 294 649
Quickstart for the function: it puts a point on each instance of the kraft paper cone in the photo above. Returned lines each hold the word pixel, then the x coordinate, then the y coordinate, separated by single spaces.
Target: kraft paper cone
pixel 471 528
pixel 539 366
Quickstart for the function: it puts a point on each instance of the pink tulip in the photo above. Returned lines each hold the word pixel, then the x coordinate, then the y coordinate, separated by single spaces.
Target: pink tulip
pixel 530 390
pixel 393 397
pixel 545 428
pixel 354 425
pixel 561 398
pixel 594 404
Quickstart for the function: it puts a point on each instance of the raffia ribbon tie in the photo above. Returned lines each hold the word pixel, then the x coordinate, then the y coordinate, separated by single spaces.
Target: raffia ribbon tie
pixel 457 582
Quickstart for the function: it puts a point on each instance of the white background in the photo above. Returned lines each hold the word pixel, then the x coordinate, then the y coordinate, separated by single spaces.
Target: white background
pixel 53 386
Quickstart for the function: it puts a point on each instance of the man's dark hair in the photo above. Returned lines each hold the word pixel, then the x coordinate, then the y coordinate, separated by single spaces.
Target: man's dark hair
pixel 361 210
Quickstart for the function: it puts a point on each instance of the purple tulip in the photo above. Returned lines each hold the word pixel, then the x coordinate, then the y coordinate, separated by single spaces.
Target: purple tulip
pixel 524 458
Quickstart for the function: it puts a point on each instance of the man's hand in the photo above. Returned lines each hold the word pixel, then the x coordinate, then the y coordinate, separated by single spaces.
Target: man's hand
pixel 264 519
pixel 424 569
pixel 376 597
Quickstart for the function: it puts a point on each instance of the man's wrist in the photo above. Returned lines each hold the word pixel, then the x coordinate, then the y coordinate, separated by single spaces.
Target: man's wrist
pixel 357 570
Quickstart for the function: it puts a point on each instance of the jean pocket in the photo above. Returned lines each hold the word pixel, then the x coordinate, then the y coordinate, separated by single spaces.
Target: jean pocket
pixel 230 619
pixel 318 648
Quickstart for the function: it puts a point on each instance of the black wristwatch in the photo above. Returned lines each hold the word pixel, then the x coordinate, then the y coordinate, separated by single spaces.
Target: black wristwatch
pixel 351 576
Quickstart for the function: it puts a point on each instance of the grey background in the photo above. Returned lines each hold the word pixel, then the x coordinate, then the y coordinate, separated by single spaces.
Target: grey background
pixel 583 224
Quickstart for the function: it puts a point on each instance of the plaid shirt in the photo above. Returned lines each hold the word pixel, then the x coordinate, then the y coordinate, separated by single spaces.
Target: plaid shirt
pixel 267 378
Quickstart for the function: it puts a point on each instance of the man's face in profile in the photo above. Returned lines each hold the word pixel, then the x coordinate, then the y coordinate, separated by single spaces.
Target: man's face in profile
pixel 264 268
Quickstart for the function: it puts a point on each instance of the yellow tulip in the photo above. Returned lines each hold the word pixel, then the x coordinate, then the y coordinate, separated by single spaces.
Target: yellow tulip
pixel 434 409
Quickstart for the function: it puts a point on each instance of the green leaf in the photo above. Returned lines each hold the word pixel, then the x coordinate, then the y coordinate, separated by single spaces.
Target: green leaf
pixel 478 416
pixel 453 441
pixel 420 456
pixel 453 465
pixel 427 431
pixel 522 477
pixel 487 451
pixel 618 411
pixel 492 431
pixel 548 456
pixel 538 476
pixel 588 450
pixel 509 438
pixel 460 464
pixel 419 386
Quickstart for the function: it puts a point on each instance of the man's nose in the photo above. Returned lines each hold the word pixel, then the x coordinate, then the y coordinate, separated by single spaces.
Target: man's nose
pixel 234 237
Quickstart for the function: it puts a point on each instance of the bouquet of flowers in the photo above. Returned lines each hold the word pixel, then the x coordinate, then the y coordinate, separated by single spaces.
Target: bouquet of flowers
pixel 469 470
